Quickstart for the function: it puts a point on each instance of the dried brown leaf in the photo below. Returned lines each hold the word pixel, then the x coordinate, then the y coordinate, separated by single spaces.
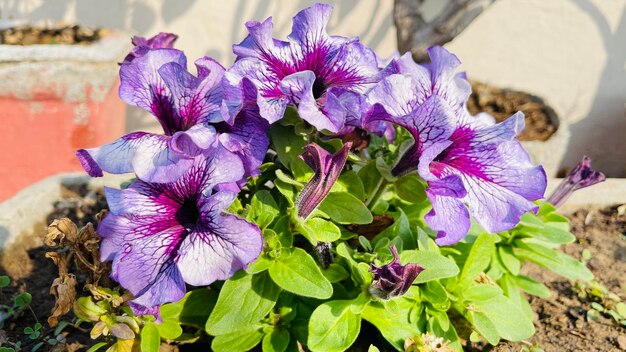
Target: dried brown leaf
pixel 60 231
pixel 64 291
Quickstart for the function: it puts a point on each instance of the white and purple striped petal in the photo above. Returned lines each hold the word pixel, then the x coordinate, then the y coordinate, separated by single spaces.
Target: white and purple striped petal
pixel 302 71
pixel 500 180
pixel 162 236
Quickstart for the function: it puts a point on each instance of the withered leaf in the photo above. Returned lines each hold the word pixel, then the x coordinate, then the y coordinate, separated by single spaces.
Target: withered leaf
pixel 64 291
pixel 59 231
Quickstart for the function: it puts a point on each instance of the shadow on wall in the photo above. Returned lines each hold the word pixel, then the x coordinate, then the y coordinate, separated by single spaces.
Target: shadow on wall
pixel 131 15
pixel 602 133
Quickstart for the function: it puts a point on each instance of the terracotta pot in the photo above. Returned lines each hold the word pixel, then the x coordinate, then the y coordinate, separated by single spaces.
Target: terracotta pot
pixel 55 99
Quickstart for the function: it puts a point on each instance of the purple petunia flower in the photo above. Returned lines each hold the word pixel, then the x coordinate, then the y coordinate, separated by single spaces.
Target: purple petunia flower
pixel 393 279
pixel 321 75
pixel 580 177
pixel 327 168
pixel 161 236
pixel 188 109
pixel 466 160
pixel 142 45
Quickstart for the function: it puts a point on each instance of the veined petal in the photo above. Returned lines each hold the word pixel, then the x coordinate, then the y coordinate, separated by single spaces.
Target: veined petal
pixel 449 215
pixel 221 246
pixel 155 161
pixel 500 180
pixel 116 157
pixel 193 141
pixel 247 138
pixel 329 114
pixel 309 25
pixel 143 45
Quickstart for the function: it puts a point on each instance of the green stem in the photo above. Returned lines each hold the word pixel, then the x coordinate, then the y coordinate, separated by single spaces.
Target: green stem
pixel 380 190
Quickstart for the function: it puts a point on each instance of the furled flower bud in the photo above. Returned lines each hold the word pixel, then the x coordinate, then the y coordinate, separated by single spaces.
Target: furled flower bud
pixel 580 177
pixel 327 169
pixel 393 279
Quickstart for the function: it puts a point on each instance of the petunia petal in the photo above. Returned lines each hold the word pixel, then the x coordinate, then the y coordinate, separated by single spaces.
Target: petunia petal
pixel 141 85
pixel 217 251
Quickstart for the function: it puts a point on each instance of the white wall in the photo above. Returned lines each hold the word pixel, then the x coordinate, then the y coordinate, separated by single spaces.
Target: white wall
pixel 570 52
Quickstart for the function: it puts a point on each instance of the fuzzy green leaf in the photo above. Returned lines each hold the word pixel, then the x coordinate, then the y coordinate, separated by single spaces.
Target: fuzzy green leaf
pixel 410 188
pixel 276 341
pixel 243 301
pixel 194 309
pixel 478 258
pixel 243 340
pixel 344 208
pixel 317 229
pixel 150 338
pixel 263 209
pixel 435 265
pixel 553 260
pixel 298 273
pixel 333 327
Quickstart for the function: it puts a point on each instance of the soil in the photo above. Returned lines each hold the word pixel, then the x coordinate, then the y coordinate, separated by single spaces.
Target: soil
pixel 24 261
pixel 541 119
pixel 28 35
pixel 560 320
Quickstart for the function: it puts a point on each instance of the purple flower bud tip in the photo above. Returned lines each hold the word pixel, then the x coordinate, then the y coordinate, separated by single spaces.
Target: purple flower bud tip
pixel 393 279
pixel 327 168
pixel 580 177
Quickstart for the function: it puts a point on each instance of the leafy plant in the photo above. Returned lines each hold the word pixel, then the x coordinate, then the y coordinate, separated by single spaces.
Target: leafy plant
pixel 305 190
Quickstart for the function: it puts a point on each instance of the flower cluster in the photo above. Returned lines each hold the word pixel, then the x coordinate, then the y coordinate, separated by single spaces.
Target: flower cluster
pixel 170 227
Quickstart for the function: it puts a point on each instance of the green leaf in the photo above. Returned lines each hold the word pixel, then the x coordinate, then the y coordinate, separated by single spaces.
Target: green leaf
pixel 4 281
pixel 317 229
pixel 401 229
pixel 288 146
pixel 410 188
pixel 484 326
pixel 435 265
pixel 509 320
pixel 478 258
pixel 344 208
pixel 509 260
pixel 371 177
pixel 335 273
pixel 440 326
pixel 169 329
pixel 276 341
pixel 359 278
pixel 243 340
pixel 481 292
pixel 531 286
pixel 333 327
pixel 551 232
pixel 394 326
pixel 243 301
pixel 263 209
pixel 436 295
pixel 298 273
pixel 350 182
pixel 150 338
pixel 86 309
pixel 23 299
pixel 194 309
pixel 285 189
pixel 553 260
pixel 93 348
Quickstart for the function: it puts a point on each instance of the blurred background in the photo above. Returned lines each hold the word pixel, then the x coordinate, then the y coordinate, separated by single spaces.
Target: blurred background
pixel 563 62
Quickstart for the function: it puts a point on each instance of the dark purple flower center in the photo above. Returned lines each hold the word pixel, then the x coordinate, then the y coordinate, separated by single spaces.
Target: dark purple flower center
pixel 188 214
